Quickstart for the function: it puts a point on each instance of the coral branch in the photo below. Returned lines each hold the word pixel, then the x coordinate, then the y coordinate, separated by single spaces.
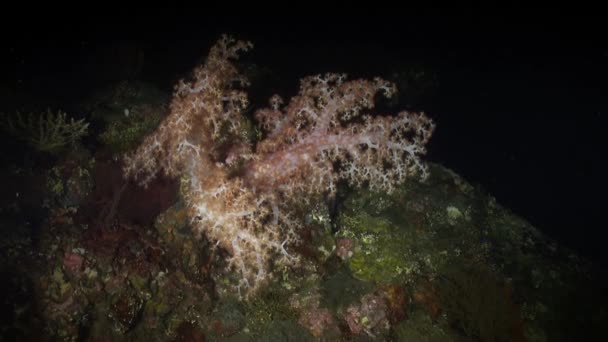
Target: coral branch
pixel 319 128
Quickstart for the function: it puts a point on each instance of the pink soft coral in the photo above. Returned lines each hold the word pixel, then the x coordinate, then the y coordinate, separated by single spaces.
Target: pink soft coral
pixel 239 197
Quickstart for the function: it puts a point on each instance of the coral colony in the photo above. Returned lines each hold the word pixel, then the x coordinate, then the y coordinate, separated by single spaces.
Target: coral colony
pixel 238 194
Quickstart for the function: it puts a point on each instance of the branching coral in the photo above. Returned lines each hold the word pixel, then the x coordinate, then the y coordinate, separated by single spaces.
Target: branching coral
pixel 47 131
pixel 239 194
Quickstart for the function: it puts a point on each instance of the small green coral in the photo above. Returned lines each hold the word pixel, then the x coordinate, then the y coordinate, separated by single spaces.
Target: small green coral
pixel 127 111
pixel 126 133
pixel 45 132
pixel 67 185
pixel 381 252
